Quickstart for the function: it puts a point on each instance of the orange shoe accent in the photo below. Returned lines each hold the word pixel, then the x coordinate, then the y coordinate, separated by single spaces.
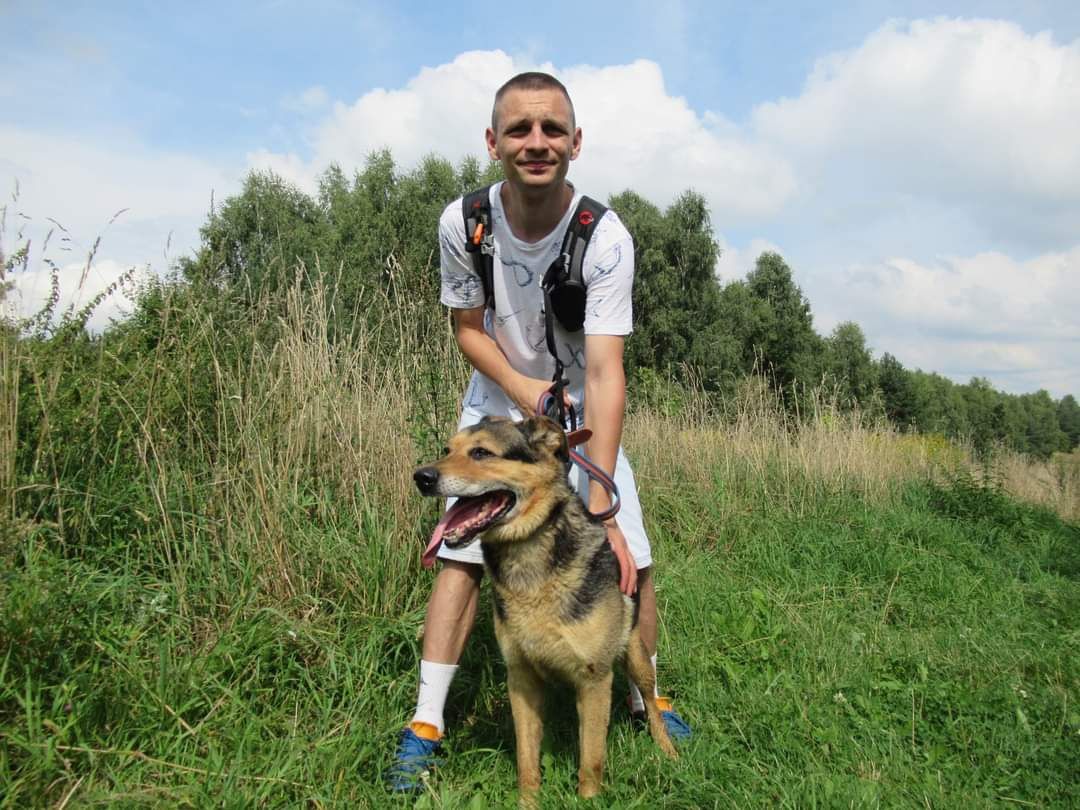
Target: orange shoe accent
pixel 663 704
pixel 425 731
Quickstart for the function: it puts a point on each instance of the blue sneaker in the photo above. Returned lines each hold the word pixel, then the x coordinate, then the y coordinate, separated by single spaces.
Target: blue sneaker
pixel 677 728
pixel 417 754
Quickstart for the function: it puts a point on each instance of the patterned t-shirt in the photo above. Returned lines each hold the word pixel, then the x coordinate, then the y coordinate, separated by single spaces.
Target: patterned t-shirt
pixel 517 325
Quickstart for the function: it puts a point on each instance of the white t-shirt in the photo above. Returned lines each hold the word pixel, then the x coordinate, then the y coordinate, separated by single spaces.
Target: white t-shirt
pixel 517 325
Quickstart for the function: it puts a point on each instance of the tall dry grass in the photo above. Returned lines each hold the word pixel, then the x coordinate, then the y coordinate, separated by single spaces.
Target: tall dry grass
pixel 310 486
pixel 1054 483
pixel 753 443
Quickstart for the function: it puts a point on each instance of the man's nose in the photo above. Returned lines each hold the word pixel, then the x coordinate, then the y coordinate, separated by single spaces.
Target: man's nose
pixel 536 141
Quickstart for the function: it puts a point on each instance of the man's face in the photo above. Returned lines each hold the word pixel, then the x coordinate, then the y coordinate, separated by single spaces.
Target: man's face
pixel 536 138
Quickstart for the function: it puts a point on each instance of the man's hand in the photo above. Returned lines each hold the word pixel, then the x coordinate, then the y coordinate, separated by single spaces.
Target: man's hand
pixel 526 393
pixel 627 565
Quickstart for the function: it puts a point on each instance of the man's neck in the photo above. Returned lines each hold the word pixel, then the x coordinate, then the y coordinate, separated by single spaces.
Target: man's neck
pixel 531 217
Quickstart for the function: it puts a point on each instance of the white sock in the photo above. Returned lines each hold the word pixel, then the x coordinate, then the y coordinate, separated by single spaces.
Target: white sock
pixel 434 686
pixel 637 703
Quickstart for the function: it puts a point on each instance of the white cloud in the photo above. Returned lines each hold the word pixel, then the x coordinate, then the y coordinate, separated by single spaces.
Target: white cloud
pixel 974 112
pixel 636 135
pixel 982 315
pixel 83 184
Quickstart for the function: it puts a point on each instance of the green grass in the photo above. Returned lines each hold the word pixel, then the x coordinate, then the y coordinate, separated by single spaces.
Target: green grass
pixel 921 650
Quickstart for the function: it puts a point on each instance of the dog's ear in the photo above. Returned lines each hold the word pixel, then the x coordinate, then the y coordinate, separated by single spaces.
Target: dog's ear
pixel 544 433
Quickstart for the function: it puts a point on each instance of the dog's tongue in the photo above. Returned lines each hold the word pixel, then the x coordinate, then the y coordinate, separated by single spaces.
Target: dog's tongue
pixel 459 516
pixel 427 559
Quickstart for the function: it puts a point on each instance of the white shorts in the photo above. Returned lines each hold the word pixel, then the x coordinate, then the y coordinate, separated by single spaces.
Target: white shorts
pixel 629 516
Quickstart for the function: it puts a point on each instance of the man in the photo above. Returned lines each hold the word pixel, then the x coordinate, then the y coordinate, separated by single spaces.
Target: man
pixel 534 135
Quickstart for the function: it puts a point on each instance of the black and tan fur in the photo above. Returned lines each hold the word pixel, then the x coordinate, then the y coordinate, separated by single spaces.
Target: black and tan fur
pixel 559 613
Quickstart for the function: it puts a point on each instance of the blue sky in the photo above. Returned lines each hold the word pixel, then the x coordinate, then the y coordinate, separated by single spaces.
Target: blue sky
pixel 914 162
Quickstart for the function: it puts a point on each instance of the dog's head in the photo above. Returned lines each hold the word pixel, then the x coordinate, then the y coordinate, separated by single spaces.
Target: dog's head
pixel 505 476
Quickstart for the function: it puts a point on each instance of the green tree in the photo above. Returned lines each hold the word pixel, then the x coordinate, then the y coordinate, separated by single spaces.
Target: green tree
pixel 1068 414
pixel 256 238
pixel 980 400
pixel 1009 422
pixel 848 365
pixel 939 406
pixel 783 334
pixel 1044 433
pixel 676 297
pixel 897 391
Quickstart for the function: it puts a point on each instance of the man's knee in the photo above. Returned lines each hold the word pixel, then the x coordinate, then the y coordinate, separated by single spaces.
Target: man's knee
pixel 458 578
pixel 644 578
pixel 457 569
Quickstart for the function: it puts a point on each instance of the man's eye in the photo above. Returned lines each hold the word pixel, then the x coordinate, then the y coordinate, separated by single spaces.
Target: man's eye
pixel 479 453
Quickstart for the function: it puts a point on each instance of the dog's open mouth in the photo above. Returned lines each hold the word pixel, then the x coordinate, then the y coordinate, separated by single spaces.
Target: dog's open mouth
pixel 471 515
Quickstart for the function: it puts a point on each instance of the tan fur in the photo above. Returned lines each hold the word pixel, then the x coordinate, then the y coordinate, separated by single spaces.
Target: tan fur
pixel 559 612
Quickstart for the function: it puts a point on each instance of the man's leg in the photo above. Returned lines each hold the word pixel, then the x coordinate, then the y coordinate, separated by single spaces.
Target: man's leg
pixel 647 609
pixel 450 616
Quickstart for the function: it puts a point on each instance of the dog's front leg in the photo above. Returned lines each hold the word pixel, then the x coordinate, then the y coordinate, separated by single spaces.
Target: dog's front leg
pixel 526 702
pixel 594 709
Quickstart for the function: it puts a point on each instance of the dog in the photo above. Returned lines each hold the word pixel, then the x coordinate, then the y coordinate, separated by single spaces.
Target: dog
pixel 559 613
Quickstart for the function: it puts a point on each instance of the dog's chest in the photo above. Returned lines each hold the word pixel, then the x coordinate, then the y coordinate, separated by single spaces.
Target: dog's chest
pixel 532 628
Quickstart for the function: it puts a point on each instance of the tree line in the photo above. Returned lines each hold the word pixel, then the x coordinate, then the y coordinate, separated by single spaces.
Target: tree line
pixel 686 322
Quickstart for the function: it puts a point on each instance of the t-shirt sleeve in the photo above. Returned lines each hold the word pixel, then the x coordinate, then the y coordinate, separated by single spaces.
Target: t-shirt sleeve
pixel 461 287
pixel 609 278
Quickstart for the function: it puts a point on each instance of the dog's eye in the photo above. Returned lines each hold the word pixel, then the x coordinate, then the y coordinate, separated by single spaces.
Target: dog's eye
pixel 446 451
pixel 479 453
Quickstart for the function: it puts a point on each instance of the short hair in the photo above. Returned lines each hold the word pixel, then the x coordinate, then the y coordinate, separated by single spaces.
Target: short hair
pixel 530 80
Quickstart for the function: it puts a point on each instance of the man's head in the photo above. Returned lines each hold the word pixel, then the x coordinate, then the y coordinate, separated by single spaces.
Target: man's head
pixel 533 131
pixel 532 80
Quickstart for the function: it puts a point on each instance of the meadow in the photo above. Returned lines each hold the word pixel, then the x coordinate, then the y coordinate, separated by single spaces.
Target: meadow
pixel 212 592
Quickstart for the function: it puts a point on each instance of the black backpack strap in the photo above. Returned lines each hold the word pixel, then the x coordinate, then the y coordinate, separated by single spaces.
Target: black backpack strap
pixel 480 238
pixel 564 286
pixel 586 217
pixel 564 282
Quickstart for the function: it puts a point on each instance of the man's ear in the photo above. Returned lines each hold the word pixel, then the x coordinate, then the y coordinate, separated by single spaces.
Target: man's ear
pixel 492 143
pixel 543 433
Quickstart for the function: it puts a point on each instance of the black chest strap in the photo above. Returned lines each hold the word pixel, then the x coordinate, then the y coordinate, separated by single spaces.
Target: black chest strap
pixel 480 239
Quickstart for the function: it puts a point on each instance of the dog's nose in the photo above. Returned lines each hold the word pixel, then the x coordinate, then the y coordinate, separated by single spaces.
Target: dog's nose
pixel 426 478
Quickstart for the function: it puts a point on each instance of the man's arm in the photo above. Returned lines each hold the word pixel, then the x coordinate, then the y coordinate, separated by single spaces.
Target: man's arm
pixel 605 404
pixel 485 356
